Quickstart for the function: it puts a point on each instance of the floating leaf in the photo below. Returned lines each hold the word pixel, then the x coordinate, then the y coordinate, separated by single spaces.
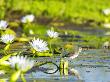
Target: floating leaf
pixel 22 39
pixel 13 24
pixel 7 57
pixel 44 54
pixel 9 31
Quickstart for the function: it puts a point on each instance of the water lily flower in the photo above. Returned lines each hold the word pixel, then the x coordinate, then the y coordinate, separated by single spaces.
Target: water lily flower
pixel 106 25
pixel 3 25
pixel 106 11
pixel 52 34
pixel 39 45
pixel 7 38
pixel 107 33
pixel 21 63
pixel 27 18
pixel 2 72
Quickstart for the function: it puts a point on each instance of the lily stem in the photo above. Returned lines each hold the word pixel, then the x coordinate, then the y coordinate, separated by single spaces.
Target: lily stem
pixel 23 78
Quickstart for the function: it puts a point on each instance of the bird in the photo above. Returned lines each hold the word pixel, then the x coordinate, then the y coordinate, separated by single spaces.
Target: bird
pixel 75 54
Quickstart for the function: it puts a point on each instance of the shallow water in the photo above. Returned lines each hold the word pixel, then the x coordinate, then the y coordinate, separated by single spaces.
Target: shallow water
pixel 92 65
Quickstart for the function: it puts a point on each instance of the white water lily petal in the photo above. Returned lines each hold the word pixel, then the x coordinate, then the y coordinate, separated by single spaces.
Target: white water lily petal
pixel 3 25
pixel 106 11
pixel 27 18
pixel 23 63
pixel 2 72
pixel 7 38
pixel 52 34
pixel 39 45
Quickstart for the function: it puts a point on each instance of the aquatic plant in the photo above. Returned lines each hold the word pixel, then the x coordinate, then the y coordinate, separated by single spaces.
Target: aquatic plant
pixel 2 72
pixel 28 18
pixel 106 25
pixel 3 25
pixel 39 45
pixel 106 11
pixel 66 10
pixel 83 12
pixel 52 33
pixel 7 39
pixel 3 60
pixel 21 64
pixel 27 23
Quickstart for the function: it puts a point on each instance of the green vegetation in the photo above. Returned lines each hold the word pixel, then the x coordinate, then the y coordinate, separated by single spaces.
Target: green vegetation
pixel 33 28
pixel 76 11
pixel 73 10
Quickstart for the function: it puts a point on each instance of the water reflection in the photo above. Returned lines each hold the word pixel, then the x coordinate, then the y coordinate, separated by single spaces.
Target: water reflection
pixel 91 67
pixel 75 73
pixel 44 80
pixel 55 73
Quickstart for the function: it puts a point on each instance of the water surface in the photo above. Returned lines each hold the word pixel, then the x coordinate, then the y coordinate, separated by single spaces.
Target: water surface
pixel 92 65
